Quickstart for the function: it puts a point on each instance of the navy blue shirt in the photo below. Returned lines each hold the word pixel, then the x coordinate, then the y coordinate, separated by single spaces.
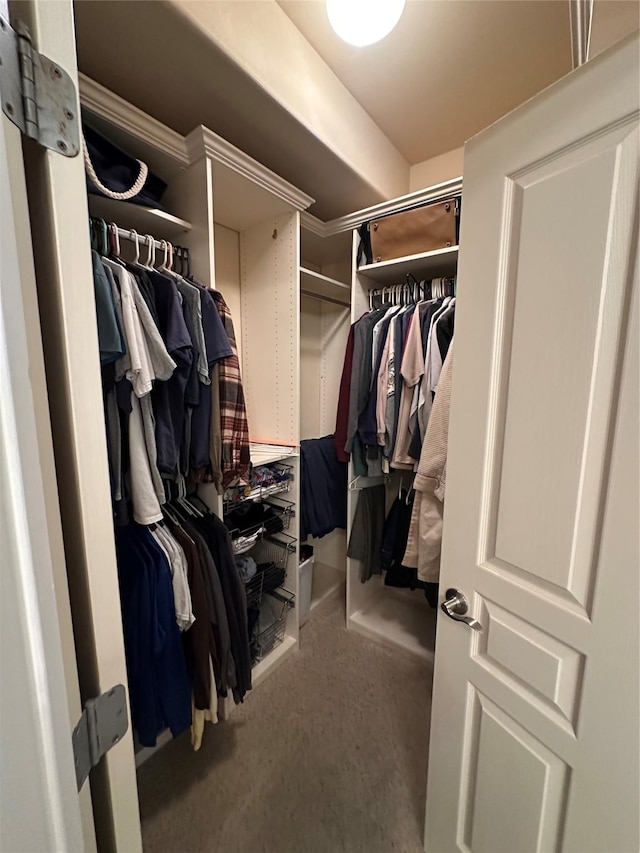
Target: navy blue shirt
pixel 159 688
pixel 168 397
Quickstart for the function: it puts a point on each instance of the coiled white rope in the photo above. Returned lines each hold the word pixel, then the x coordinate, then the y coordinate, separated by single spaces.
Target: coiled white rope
pixel 130 193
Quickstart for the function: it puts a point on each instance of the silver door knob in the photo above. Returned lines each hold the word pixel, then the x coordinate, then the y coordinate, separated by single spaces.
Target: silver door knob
pixel 456 606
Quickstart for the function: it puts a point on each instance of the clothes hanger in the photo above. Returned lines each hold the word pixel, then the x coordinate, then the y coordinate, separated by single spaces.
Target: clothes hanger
pixel 151 251
pixel 164 246
pixel 134 236
pixel 103 237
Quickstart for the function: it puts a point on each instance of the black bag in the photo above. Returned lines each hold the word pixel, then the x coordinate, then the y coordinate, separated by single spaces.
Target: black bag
pixel 119 171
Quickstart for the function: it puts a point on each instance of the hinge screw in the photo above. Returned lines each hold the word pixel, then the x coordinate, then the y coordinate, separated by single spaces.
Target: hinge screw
pixel 68 114
pixel 62 145
pixel 56 72
pixel 9 108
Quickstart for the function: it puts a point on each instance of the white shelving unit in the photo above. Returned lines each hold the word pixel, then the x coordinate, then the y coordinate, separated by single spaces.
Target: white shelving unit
pixel 327 582
pixel 315 284
pixel 263 454
pixel 440 262
pixel 325 298
pixel 241 224
pixel 144 220
pixel 399 617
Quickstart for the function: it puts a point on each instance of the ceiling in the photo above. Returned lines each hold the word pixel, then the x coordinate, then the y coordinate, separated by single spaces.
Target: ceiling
pixel 449 69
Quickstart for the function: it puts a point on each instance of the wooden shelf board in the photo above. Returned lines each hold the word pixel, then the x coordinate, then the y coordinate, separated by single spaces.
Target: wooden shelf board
pixel 441 262
pixel 403 620
pixel 145 220
pixel 322 285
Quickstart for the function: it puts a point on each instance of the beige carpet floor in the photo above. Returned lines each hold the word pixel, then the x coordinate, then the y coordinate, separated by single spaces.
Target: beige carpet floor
pixel 326 756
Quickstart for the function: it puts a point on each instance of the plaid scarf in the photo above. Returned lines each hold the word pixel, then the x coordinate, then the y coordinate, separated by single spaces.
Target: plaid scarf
pixel 236 460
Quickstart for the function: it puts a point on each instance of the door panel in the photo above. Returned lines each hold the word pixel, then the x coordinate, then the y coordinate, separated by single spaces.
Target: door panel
pixel 516 789
pixel 527 745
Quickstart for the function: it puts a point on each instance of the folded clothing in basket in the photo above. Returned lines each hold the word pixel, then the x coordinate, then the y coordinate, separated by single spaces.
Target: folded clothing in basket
pixel 263 624
pixel 246 567
pixel 251 515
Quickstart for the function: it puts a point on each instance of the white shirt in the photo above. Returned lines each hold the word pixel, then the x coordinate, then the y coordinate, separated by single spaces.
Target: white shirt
pixel 178 565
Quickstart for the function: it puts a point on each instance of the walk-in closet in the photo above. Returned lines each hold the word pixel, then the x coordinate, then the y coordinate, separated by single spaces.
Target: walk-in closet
pixel 319 427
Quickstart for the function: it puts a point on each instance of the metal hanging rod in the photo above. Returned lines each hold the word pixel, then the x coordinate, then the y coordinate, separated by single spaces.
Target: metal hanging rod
pixel 143 239
pixel 321 298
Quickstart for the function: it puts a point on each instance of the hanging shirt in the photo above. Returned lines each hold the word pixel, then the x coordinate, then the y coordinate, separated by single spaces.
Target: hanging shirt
pixel 146 505
pixel 361 371
pixel 162 363
pixel 342 413
pixel 178 565
pixel 110 339
pixel 411 372
pixel 217 348
pixel 236 457
pixel 169 397
pixel 436 352
pixel 368 427
pixel 159 689
pixel 425 398
pixel 136 364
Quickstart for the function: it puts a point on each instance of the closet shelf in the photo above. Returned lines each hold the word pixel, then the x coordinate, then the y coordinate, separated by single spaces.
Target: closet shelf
pixel 316 284
pixel 400 618
pixel 440 262
pixel 145 220
pixel 263 454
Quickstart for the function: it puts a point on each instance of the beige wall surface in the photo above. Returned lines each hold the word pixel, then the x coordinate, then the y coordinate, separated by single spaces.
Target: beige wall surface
pixel 313 93
pixel 437 169
pixel 612 21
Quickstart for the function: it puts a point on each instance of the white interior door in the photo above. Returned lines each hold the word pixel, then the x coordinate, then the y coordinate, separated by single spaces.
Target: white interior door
pixel 534 734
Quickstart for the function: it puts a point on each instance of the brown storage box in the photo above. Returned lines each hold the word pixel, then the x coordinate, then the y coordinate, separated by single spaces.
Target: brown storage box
pixel 422 229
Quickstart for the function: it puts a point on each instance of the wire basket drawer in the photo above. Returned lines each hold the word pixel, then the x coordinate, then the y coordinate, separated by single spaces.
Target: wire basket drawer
pixel 271 626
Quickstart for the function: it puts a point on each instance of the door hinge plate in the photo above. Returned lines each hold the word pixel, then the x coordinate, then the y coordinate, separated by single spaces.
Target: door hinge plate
pixel 103 723
pixel 37 95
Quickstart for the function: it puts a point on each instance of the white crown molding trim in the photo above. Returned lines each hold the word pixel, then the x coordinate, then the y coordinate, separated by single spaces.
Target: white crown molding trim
pixel 203 142
pixel 429 195
pixel 311 223
pixel 100 101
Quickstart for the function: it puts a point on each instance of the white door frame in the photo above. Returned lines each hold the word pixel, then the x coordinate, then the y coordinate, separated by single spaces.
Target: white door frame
pixel 39 804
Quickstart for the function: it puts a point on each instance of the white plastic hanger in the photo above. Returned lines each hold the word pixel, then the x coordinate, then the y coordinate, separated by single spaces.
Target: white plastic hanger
pixel 136 239
pixel 151 251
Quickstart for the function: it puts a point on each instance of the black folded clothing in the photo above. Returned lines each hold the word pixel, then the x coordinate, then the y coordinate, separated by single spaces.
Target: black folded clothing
pixel 253 515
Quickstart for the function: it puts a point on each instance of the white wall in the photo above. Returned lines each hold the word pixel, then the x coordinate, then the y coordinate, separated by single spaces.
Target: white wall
pixel 313 93
pixel 437 169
